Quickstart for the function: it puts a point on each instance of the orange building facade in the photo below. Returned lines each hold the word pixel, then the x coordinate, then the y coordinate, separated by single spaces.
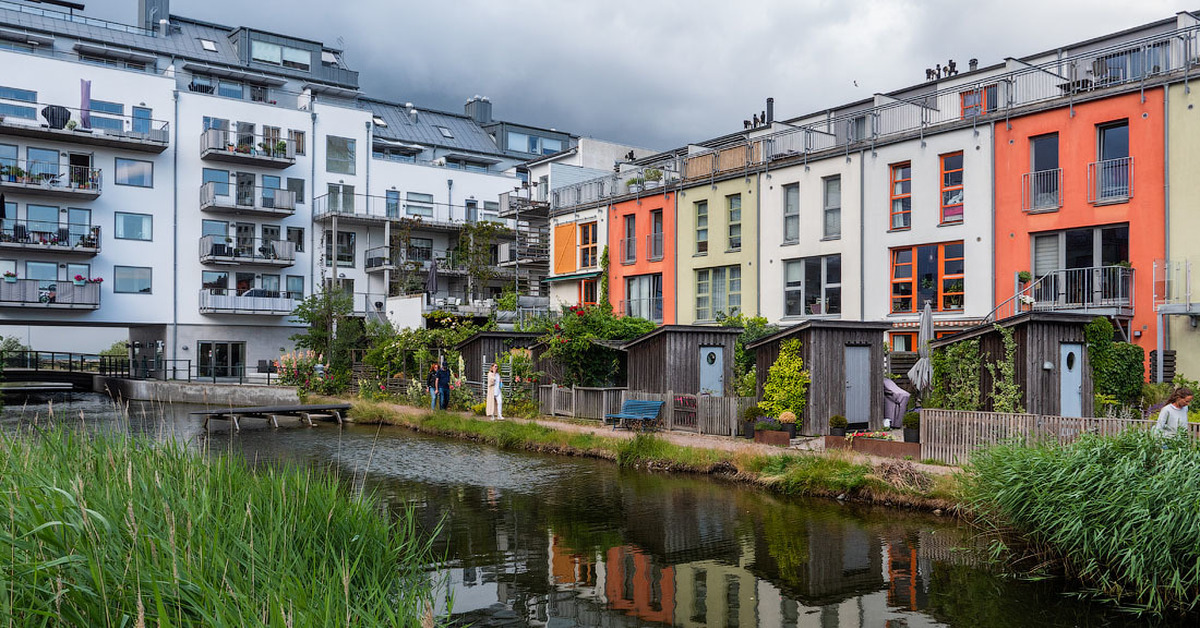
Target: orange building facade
pixel 1080 207
pixel 641 262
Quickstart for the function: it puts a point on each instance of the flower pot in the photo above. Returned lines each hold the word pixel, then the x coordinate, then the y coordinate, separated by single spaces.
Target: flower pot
pixel 837 431
pixel 10 280
pixel 912 434
pixel 78 282
pixel 790 428
pixel 777 438
pixel 748 429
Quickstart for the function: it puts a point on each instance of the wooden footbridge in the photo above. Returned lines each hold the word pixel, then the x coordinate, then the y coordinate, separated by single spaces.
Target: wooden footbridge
pixel 305 413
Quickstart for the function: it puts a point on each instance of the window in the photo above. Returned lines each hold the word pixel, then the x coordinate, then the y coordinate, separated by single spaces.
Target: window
pixel 135 172
pixel 420 249
pixel 13 93
pixel 296 186
pixel 791 212
pixel 218 228
pixel 952 188
pixel 643 297
pixel 491 210
pixel 208 44
pixel 270 283
pixel 977 102
pixel 418 204
pixel 276 54
pixel 813 286
pixel 379 122
pixel 214 280
pixel 904 341
pixel 270 233
pixel 42 162
pixel 132 279
pixel 549 146
pixel 230 89
pixel 79 269
pixel 1043 192
pixel 142 120
pixel 655 249
pixel 1111 175
pixel 219 180
pixel 134 226
pixel 295 286
pixel 858 129
pixel 702 228
pixel 932 272
pixel 104 106
pixel 444 131
pixel 392 203
pixel 587 292
pixel 718 291
pixel 328 57
pixel 518 142
pixel 734 204
pixel 345 248
pixel 587 245
pixel 339 155
pixel 629 244
pixel 20 95
pixel 901 211
pixel 832 207
pixel 103 122
pixel 295 235
pixel 297 139
pixel 340 198
pixel 42 221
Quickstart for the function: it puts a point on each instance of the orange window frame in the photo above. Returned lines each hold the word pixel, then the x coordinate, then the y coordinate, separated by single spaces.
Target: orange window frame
pixel 951 287
pixel 976 102
pixel 587 292
pixel 901 191
pixel 903 273
pixel 587 245
pixel 911 336
pixel 952 212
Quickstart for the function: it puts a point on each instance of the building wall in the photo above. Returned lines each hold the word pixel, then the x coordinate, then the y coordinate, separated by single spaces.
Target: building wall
pixel 564 253
pixel 619 271
pixel 1077 148
pixel 1184 218
pixel 688 261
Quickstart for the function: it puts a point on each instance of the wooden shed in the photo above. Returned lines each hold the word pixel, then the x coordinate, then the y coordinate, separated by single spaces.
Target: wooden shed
pixel 1052 366
pixel 691 359
pixel 485 345
pixel 845 366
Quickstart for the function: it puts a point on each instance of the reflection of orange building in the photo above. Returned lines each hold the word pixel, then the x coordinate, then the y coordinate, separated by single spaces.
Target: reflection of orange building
pixel 567 567
pixel 635 585
pixel 641 264
pixel 902 575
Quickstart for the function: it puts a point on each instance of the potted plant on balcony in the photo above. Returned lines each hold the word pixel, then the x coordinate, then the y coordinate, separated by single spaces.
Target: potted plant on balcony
pixel 96 280
pixel 837 425
pixel 1024 276
pixel 635 184
pixel 653 178
pixel 79 280
pixel 912 427
pixel 10 276
pixel 281 148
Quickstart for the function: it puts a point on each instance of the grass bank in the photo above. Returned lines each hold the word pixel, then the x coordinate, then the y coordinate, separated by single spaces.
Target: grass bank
pixel 1121 514
pixel 832 474
pixel 111 530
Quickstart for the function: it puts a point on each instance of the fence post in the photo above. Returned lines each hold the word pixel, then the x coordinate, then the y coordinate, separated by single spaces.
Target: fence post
pixel 573 400
pixel 669 410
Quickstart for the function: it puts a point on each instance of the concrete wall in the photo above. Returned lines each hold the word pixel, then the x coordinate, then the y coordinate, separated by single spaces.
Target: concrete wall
pixel 210 394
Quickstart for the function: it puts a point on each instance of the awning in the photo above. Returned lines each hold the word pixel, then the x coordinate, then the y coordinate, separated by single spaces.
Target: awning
pixel 401 146
pixel 238 75
pixel 331 90
pixel 26 38
pixel 475 159
pixel 588 275
pixel 113 53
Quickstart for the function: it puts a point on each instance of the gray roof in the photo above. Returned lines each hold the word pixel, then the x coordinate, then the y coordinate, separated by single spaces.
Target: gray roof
pixel 468 136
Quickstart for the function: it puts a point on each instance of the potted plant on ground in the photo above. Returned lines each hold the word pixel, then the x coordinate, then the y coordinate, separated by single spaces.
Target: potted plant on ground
pixel 770 431
pixel 837 425
pixel 912 427
pixel 788 420
pixel 749 417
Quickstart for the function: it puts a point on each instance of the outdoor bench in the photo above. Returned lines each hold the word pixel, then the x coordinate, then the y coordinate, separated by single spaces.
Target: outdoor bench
pixel 643 415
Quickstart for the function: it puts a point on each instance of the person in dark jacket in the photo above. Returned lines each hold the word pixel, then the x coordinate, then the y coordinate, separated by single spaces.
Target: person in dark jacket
pixel 431 383
pixel 443 379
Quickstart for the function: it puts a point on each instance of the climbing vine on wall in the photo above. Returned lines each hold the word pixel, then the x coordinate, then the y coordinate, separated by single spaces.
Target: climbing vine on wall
pixel 1006 393
pixel 956 371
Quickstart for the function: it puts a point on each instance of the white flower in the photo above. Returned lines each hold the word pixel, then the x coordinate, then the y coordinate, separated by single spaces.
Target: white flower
pixel 1026 299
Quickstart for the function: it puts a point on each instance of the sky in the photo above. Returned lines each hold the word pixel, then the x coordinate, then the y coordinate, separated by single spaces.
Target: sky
pixel 661 74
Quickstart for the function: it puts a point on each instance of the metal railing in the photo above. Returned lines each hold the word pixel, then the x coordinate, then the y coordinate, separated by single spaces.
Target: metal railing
pixel 1173 283
pixel 1098 287
pixel 80 121
pixel 628 250
pixel 216 194
pixel 654 246
pixel 1110 180
pixel 247 144
pixel 246 250
pixel 76 18
pixel 252 301
pixel 649 308
pixel 365 206
pixel 1041 190
pixel 50 175
pixel 379 257
pixel 53 235
pixel 60 293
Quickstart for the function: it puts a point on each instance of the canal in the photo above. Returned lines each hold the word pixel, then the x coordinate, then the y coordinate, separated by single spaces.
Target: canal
pixel 537 540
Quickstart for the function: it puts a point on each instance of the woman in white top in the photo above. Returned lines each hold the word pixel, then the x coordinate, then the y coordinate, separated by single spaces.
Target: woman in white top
pixel 1174 415
pixel 495 401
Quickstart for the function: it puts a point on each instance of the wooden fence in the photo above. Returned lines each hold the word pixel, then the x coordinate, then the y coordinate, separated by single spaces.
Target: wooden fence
pixel 690 413
pixel 951 436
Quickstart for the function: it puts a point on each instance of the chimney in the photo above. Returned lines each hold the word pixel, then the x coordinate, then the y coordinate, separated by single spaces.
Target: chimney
pixel 150 12
pixel 973 65
pixel 770 110
pixel 412 114
pixel 479 109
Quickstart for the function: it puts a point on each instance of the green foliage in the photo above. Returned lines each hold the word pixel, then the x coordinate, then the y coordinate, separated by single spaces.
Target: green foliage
pixel 746 384
pixel 807 475
pixel 332 332
pixel 507 301
pixel 787 382
pixel 12 344
pixel 602 298
pixel 1119 511
pixel 912 420
pixel 1179 382
pixel 118 349
pixel 1006 392
pixel 475 252
pixel 584 363
pixel 838 420
pixel 1118 368
pixel 752 413
pixel 409 352
pixel 768 425
pixel 956 371
pixel 108 530
pixel 753 328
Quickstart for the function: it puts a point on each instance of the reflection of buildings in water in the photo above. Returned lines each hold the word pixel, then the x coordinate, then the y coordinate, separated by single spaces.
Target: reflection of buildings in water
pixel 825 562
pixel 638 586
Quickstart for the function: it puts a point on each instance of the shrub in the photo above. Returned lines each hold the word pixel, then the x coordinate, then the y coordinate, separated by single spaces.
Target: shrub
pixel 768 425
pixel 912 420
pixel 787 381
pixel 956 376
pixel 752 413
pixel 1118 368
pixel 787 416
pixel 838 420
pixel 479 409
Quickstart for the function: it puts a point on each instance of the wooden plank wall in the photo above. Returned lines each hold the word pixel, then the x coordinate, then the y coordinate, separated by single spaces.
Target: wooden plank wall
pixel 1037 342
pixel 671 361
pixel 714 415
pixel 899 363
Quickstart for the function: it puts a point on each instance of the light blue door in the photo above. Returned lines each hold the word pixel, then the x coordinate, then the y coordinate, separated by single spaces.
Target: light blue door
pixel 1070 366
pixel 712 371
pixel 858 384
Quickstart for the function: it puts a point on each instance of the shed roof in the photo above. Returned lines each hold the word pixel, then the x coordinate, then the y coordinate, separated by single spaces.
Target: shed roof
pixel 671 329
pixel 497 334
pixel 819 323
pixel 1013 321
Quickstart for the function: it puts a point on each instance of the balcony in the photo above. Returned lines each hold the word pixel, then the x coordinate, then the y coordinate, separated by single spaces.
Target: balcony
pixel 70 124
pixel 253 301
pixel 654 247
pixel 1041 191
pixel 648 308
pixel 1102 290
pixel 628 252
pixel 379 259
pixel 1110 181
pixel 215 198
pixel 256 251
pixel 49 294
pixel 48 237
pixel 367 210
pixel 41 178
pixel 247 149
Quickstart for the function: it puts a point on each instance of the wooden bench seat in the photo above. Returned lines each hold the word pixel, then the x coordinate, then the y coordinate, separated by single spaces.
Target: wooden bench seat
pixel 639 414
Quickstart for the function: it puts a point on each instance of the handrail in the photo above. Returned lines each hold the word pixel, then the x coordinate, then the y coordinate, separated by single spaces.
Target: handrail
pixel 991 315
pixel 58 117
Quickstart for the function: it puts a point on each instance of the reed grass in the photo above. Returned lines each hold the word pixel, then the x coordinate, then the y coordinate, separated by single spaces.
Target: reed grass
pixel 112 530
pixel 1122 513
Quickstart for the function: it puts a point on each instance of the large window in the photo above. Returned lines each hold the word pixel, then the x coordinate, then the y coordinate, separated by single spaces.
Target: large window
pixel 214 280
pixel 20 95
pixel 420 249
pixel 135 172
pixel 132 279
pixel 734 204
pixel 133 226
pixel 718 291
pixel 629 243
pixel 588 257
pixel 345 248
pixel 340 198
pixel 1045 176
pixel 832 207
pixel 931 272
pixel 219 180
pixel 339 155
pixel 295 235
pixel 276 54
pixel 643 297
pixel 791 213
pixel 952 188
pixel 296 186
pixel 702 227
pixel 901 191
pixel 1111 175
pixel 813 286
pixel 977 102
pixel 298 140
pixel 587 292
pixel 295 286
pixel 418 204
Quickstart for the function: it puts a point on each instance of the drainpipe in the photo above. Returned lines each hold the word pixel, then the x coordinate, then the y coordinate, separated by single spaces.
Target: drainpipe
pixel 862 234
pixel 312 195
pixel 175 229
pixel 995 234
pixel 1160 331
pixel 758 286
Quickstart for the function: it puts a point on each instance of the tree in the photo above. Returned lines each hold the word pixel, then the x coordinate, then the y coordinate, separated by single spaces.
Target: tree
pixel 407 278
pixel 118 349
pixel 332 331
pixel 12 344
pixel 786 389
pixel 475 245
pixel 585 363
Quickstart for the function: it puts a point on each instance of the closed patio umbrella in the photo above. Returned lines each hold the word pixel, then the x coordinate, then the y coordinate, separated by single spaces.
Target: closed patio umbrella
pixel 431 282
pixel 56 116
pixel 921 374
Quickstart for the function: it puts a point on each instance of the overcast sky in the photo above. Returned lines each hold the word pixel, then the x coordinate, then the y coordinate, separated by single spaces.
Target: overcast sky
pixel 661 74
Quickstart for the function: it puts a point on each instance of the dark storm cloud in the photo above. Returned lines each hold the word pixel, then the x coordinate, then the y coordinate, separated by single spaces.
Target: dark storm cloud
pixel 661 74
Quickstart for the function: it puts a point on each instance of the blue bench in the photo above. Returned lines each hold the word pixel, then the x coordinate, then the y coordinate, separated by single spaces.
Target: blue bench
pixel 643 415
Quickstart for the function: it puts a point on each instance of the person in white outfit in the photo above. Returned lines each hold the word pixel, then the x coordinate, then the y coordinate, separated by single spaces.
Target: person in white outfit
pixel 1174 416
pixel 495 399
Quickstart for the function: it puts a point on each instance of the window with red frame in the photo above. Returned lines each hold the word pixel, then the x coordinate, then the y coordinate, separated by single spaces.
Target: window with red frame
pixel 904 341
pixel 901 196
pixel 977 102
pixel 587 292
pixel 952 188
pixel 930 272
pixel 587 245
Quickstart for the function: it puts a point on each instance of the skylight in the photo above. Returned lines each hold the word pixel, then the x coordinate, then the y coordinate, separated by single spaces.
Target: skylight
pixel 380 122
pixel 209 45
pixel 446 132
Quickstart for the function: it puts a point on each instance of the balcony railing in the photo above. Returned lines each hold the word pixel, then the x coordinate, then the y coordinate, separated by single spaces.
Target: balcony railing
pixel 246 199
pixel 628 250
pixel 247 148
pixel 53 294
pixel 237 250
pixel 380 258
pixel 1107 288
pixel 647 308
pixel 50 237
pixel 654 246
pixel 1042 190
pixel 51 179
pixel 1110 181
pixel 84 126
pixel 252 301
pixel 368 209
